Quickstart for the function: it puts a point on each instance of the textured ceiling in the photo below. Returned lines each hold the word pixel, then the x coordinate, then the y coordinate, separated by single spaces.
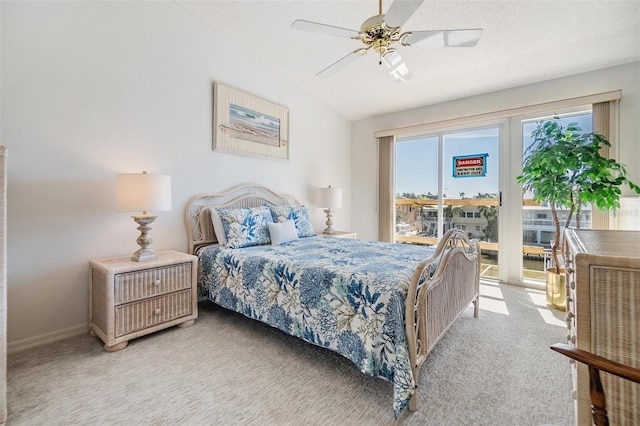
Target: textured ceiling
pixel 523 42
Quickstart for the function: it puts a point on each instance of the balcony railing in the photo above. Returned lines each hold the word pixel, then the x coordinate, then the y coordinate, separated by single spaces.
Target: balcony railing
pixel 484 245
pixel 548 223
pixel 532 250
pixel 536 232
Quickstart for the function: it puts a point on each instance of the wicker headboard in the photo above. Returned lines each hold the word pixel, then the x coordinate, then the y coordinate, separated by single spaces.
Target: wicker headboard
pixel 198 216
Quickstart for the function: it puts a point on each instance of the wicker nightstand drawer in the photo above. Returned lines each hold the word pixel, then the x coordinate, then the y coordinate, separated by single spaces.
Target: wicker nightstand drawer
pixel 147 313
pixel 130 299
pixel 152 282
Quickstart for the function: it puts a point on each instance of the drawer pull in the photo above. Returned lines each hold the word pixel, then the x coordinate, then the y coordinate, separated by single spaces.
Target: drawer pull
pixel 157 311
pixel 569 271
pixel 157 283
pixel 572 285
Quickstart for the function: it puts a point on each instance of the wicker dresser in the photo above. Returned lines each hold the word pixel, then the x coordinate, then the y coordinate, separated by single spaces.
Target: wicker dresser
pixel 603 315
pixel 130 299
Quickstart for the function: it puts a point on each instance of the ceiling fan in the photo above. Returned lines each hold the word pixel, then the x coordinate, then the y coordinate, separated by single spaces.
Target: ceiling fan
pixel 382 31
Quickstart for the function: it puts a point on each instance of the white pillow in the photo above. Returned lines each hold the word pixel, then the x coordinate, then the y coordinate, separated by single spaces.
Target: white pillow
pixel 218 227
pixel 282 232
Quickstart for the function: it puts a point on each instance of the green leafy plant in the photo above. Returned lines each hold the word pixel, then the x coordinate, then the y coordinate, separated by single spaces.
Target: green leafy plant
pixel 564 168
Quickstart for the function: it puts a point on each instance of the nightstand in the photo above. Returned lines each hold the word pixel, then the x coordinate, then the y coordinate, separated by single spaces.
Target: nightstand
pixel 340 234
pixel 129 299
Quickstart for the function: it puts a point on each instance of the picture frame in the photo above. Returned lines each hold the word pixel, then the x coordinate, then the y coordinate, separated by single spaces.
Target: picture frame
pixel 245 124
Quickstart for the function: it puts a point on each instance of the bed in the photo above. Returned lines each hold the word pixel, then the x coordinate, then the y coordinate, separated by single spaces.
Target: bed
pixel 384 306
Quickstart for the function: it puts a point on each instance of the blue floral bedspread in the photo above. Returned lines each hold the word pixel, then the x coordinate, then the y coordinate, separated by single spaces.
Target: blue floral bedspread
pixel 343 294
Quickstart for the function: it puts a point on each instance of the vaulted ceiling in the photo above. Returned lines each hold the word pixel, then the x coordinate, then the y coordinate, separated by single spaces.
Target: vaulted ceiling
pixel 523 42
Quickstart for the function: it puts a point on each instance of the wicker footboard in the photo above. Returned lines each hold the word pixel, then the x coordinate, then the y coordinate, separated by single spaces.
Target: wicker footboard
pixel 442 288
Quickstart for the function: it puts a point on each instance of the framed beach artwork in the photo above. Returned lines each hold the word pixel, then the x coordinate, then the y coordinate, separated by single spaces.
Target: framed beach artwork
pixel 248 125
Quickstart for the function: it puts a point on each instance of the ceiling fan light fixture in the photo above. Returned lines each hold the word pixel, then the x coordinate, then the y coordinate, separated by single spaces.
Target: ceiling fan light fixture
pixel 398 69
pixel 401 73
pixel 391 58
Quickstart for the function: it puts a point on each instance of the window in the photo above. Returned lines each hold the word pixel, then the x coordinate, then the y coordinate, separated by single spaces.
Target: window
pixel 432 168
pixel 539 232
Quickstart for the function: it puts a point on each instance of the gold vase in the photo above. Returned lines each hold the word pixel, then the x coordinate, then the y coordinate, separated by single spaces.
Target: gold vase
pixel 556 289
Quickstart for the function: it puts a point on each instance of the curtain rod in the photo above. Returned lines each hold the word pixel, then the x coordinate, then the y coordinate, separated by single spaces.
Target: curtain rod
pixel 496 115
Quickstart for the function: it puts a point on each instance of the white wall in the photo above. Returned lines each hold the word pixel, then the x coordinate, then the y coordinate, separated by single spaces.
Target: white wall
pixel 92 89
pixel 364 149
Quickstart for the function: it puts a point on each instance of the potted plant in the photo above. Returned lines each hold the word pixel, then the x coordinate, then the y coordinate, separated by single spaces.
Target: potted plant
pixel 564 168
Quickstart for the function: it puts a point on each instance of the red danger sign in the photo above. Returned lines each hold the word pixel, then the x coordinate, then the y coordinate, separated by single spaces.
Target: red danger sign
pixel 470 165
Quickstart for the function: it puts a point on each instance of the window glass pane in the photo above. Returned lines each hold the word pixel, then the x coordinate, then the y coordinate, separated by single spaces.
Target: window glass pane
pixel 417 187
pixel 538 228
pixel 476 195
pixel 471 143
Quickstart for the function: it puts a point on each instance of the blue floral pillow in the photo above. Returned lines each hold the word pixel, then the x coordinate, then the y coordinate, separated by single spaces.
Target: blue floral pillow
pixel 299 215
pixel 246 227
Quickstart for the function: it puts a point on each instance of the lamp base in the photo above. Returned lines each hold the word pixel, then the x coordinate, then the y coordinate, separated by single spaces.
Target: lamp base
pixel 329 229
pixel 145 253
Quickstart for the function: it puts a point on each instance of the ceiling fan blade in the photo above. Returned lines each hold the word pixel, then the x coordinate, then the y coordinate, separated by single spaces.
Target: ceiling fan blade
pixel 316 27
pixel 342 63
pixel 400 11
pixel 445 38
pixel 399 70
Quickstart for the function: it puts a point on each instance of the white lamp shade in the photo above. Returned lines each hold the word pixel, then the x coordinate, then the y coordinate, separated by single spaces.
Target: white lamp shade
pixel 330 198
pixel 141 192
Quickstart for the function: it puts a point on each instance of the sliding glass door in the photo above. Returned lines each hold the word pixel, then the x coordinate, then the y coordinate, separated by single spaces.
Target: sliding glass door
pixel 465 177
pixel 450 180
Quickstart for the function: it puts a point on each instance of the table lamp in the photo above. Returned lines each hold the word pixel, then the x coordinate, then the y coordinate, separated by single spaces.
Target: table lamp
pixel 143 192
pixel 330 198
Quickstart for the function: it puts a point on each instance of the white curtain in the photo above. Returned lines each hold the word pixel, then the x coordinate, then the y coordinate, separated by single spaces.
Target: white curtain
pixel 605 122
pixel 386 188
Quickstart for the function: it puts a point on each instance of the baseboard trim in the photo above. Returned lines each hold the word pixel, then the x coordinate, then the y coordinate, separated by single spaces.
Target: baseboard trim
pixel 43 339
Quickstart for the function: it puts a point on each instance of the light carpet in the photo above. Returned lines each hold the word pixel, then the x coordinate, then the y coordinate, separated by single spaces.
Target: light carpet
pixel 229 370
